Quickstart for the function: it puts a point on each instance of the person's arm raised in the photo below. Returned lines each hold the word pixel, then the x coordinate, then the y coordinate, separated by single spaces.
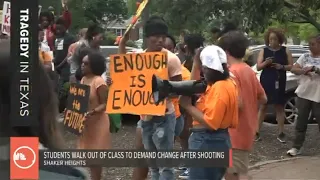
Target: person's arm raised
pixel 123 42
pixel 196 66
pixel 66 15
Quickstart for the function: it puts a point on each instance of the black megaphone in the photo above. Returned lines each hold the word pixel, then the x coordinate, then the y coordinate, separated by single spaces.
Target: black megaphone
pixel 163 88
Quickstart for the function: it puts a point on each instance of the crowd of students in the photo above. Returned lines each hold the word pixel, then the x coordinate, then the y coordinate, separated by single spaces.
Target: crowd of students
pixel 218 118
pixel 224 116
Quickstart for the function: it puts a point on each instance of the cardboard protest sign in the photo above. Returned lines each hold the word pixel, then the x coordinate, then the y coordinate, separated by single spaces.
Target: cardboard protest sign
pixel 6 15
pixel 77 107
pixel 131 90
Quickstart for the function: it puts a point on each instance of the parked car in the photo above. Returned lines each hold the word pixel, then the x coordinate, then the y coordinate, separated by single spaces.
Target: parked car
pixel 291 111
pixel 108 50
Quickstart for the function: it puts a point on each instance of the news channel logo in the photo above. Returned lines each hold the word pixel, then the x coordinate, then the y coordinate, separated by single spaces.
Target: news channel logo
pixel 24 157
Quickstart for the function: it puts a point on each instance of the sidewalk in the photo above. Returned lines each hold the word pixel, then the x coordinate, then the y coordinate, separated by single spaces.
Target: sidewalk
pixel 303 168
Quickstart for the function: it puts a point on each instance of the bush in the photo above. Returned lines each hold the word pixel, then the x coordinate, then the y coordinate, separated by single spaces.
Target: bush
pixel 131 43
pixel 109 39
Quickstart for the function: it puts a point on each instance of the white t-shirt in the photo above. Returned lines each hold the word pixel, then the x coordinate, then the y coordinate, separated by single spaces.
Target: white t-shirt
pixel 309 87
pixel 44 47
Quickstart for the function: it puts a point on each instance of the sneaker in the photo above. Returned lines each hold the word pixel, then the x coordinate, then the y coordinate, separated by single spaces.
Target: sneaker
pixel 294 152
pixel 184 175
pixel 281 138
pixel 181 169
pixel 257 138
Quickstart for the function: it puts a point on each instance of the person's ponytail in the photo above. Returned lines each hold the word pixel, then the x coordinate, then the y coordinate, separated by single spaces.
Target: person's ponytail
pixel 226 72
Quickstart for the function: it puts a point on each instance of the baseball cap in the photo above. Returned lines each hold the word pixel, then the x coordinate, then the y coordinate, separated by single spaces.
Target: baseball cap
pixel 213 57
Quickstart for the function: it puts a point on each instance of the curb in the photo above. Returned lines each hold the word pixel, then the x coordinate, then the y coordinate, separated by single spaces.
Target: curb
pixel 258 165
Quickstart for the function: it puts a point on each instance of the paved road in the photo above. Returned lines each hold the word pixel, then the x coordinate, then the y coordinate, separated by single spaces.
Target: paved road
pixel 304 168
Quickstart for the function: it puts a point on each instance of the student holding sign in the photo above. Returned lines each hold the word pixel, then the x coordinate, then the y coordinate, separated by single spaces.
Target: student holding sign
pixel 96 133
pixel 158 131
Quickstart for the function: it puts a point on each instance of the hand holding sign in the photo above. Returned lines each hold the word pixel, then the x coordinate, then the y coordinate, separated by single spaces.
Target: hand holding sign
pixel 90 113
pixel 109 80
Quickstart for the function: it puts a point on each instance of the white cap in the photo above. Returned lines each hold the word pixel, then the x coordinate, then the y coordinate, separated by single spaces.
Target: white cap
pixel 213 57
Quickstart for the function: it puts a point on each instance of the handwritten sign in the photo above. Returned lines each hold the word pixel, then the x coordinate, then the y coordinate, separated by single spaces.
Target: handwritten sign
pixel 131 91
pixel 77 107
pixel 6 15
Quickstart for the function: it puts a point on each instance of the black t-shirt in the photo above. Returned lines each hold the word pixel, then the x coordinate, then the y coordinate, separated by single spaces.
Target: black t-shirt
pixel 61 47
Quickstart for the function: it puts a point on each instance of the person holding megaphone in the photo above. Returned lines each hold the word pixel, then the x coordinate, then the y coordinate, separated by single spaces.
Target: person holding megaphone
pixel 215 111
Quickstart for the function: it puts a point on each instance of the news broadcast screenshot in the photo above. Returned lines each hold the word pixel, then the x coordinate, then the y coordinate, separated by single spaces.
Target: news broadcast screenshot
pixel 159 90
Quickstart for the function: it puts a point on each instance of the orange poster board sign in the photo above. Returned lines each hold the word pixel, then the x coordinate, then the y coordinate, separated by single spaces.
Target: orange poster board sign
pixel 131 90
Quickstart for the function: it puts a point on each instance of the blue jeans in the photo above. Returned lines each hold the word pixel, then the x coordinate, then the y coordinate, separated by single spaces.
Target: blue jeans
pixel 179 126
pixel 202 139
pixel 158 134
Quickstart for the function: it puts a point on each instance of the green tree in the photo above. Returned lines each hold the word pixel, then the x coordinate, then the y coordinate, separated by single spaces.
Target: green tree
pixel 193 15
pixel 132 7
pixel 102 12
pixel 260 13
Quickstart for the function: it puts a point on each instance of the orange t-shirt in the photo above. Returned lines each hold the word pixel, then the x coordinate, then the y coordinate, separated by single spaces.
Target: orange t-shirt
pixel 219 105
pixel 44 56
pixel 186 75
pixel 250 90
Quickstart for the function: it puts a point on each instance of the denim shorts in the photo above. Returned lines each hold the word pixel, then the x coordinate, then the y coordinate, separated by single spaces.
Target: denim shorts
pixel 158 134
pixel 208 140
pixel 179 126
